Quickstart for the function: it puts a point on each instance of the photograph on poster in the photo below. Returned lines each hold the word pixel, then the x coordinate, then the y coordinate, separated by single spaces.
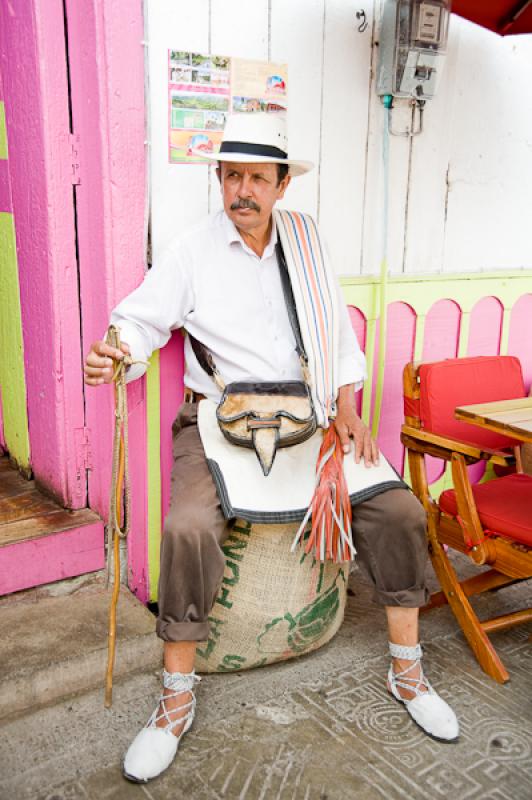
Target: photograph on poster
pixel 203 89
pixel 255 104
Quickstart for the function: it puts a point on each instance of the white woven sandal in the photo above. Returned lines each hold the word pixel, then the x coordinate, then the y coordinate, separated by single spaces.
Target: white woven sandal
pixel 153 749
pixel 428 710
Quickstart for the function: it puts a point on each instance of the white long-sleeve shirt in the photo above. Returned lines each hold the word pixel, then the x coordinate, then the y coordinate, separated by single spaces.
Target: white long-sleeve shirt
pixel 230 299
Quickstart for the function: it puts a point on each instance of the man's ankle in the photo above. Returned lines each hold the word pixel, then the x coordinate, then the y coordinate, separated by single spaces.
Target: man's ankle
pixel 401 665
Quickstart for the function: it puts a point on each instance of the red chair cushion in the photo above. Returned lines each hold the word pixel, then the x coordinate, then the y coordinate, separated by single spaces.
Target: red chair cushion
pixel 504 505
pixel 463 381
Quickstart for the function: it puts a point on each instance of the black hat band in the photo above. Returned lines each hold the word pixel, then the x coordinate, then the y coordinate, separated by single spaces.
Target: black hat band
pixel 253 149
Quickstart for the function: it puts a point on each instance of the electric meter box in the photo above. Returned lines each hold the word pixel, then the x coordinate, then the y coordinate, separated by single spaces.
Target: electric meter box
pixel 412 44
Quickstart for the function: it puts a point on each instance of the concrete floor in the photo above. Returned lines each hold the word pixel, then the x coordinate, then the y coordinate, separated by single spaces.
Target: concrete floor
pixel 318 728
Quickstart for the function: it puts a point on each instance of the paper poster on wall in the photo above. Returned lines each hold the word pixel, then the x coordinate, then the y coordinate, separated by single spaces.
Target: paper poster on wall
pixel 204 89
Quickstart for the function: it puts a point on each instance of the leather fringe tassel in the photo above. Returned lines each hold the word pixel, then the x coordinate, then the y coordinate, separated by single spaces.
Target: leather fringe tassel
pixel 330 537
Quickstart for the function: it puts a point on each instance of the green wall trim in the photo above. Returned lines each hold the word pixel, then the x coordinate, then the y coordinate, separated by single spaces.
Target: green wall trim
pixel 422 291
pixel 3 131
pixel 153 412
pixel 505 333
pixel 12 375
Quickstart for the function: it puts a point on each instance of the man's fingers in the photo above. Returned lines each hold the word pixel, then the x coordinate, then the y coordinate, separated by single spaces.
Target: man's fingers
pixel 94 380
pixel 95 376
pixel 97 372
pixel 368 450
pixel 343 433
pixel 99 366
pixel 364 446
pixel 371 451
pixel 102 355
pixel 94 360
pixel 359 445
pixel 104 349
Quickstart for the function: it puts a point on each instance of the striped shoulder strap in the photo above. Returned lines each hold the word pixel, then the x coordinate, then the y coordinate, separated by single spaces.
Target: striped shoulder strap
pixel 313 285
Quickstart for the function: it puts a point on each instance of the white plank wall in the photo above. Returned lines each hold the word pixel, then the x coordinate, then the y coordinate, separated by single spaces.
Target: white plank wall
pixel 344 132
pixel 179 194
pixel 427 188
pixel 240 30
pixel 490 186
pixel 460 193
pixel 297 39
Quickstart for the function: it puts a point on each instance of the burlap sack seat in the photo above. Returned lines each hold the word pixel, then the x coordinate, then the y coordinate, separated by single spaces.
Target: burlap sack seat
pixel 273 604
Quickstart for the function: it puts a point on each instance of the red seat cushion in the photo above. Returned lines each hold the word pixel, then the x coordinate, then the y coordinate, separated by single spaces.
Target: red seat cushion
pixel 464 381
pixel 504 505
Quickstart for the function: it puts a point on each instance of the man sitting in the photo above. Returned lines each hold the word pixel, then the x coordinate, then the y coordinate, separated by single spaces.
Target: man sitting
pixel 221 282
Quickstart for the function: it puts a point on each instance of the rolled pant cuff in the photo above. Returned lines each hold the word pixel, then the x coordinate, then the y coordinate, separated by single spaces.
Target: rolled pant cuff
pixel 182 631
pixel 417 597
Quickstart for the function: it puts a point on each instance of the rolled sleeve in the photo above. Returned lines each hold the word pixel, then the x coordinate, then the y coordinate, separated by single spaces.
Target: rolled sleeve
pixel 147 316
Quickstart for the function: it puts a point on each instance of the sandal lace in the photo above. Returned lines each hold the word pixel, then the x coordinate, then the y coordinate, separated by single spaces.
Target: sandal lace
pixel 402 680
pixel 180 683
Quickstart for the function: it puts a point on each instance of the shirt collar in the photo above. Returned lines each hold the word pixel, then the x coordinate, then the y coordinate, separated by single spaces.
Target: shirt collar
pixel 233 237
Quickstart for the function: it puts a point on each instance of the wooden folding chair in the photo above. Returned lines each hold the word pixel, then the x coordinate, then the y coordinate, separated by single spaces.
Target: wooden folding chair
pixel 490 521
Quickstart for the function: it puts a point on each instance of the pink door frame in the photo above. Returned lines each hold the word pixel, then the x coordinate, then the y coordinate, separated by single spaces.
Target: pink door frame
pixel 107 95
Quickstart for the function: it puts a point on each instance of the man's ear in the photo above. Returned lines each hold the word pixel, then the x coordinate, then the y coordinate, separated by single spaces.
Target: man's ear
pixel 283 186
pixel 219 173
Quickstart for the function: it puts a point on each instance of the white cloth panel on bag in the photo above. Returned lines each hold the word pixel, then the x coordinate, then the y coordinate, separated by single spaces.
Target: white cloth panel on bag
pixel 285 494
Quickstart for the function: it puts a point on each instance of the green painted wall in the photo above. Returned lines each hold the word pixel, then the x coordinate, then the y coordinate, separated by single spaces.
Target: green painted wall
pixel 12 378
pixel 3 132
pixel 153 403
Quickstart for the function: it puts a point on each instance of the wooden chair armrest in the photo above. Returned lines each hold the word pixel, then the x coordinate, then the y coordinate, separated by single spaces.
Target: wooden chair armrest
pixel 428 449
pixel 441 447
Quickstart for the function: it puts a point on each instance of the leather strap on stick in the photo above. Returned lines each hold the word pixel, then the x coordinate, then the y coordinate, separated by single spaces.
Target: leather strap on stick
pixel 119 501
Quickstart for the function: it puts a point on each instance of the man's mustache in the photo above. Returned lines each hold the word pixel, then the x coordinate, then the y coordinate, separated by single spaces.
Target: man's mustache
pixel 244 202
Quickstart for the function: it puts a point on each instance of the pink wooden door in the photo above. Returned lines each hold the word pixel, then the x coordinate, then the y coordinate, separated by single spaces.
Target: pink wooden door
pixel 44 179
pixel 43 198
pixel 75 121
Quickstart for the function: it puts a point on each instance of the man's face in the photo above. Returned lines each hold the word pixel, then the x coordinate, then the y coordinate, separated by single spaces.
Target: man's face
pixel 250 192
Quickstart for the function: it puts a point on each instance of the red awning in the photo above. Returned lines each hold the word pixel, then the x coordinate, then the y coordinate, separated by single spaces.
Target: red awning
pixel 506 17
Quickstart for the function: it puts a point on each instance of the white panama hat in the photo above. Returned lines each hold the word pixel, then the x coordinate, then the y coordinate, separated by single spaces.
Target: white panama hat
pixel 257 138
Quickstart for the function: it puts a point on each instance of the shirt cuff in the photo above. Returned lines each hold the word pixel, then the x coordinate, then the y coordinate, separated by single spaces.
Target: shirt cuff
pixel 130 336
pixel 351 370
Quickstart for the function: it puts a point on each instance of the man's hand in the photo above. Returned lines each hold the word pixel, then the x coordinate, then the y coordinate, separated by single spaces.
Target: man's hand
pixel 350 427
pixel 99 362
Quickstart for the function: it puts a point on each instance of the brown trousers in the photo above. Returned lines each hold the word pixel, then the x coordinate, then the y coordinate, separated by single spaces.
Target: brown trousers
pixel 388 533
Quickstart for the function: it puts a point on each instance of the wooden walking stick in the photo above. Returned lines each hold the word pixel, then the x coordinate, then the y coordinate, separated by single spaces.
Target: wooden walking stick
pixel 119 501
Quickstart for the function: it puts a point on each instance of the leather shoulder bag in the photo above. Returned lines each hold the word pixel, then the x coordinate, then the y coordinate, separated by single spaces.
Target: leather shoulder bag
pixel 265 415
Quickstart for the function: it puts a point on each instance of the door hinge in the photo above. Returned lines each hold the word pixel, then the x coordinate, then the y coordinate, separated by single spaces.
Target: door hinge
pixel 74 153
pixel 83 450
